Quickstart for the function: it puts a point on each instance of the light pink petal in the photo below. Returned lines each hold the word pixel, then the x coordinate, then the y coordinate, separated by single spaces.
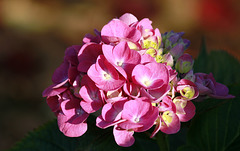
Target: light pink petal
pixel 75 129
pixel 144 24
pixel 128 18
pixel 115 28
pixel 146 58
pixel 123 138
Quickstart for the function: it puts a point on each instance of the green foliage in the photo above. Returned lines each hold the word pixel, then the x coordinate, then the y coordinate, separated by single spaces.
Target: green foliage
pixel 49 138
pixel 216 126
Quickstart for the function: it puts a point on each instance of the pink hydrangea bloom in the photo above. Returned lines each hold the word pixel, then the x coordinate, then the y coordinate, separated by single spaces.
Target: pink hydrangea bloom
pixel 133 77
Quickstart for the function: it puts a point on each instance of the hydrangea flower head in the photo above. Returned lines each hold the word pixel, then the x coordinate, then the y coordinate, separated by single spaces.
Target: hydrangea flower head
pixel 133 77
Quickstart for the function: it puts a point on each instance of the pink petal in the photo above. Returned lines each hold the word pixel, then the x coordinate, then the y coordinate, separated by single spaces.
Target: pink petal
pixel 122 137
pixel 131 89
pixel 98 71
pixel 101 123
pixel 71 129
pixel 173 127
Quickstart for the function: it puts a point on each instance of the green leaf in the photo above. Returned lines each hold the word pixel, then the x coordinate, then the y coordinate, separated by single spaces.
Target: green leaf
pixel 217 129
pixel 49 138
pixel 224 67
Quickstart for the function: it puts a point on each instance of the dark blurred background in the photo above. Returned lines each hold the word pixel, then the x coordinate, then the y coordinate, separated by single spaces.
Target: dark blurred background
pixel 35 33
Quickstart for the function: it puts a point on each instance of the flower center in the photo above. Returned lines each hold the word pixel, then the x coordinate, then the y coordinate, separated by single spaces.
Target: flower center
pixel 136 120
pixel 106 76
pixel 167 117
pixel 119 63
pixel 187 92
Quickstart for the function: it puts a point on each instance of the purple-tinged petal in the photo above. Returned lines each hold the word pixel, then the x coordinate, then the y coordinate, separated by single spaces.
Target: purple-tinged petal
pixel 51 91
pixel 53 103
pixel 88 55
pixel 61 73
pixel 71 54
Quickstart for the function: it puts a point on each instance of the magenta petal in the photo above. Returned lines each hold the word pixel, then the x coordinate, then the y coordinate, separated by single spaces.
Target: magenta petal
pixel 69 129
pixel 92 100
pixel 123 138
pixel 51 91
pixel 132 90
pixel 111 111
pixel 189 110
pixel 173 127
pixel 53 103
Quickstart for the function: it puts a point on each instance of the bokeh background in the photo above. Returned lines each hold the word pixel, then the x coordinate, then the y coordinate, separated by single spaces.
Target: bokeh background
pixel 35 33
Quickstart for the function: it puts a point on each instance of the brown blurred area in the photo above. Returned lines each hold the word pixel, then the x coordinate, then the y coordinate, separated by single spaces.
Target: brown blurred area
pixel 35 33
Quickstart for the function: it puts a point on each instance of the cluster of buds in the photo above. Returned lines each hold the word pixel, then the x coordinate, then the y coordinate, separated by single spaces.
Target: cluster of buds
pixel 135 76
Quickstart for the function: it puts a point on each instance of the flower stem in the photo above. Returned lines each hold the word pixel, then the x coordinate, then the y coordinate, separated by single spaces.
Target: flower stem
pixel 162 140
